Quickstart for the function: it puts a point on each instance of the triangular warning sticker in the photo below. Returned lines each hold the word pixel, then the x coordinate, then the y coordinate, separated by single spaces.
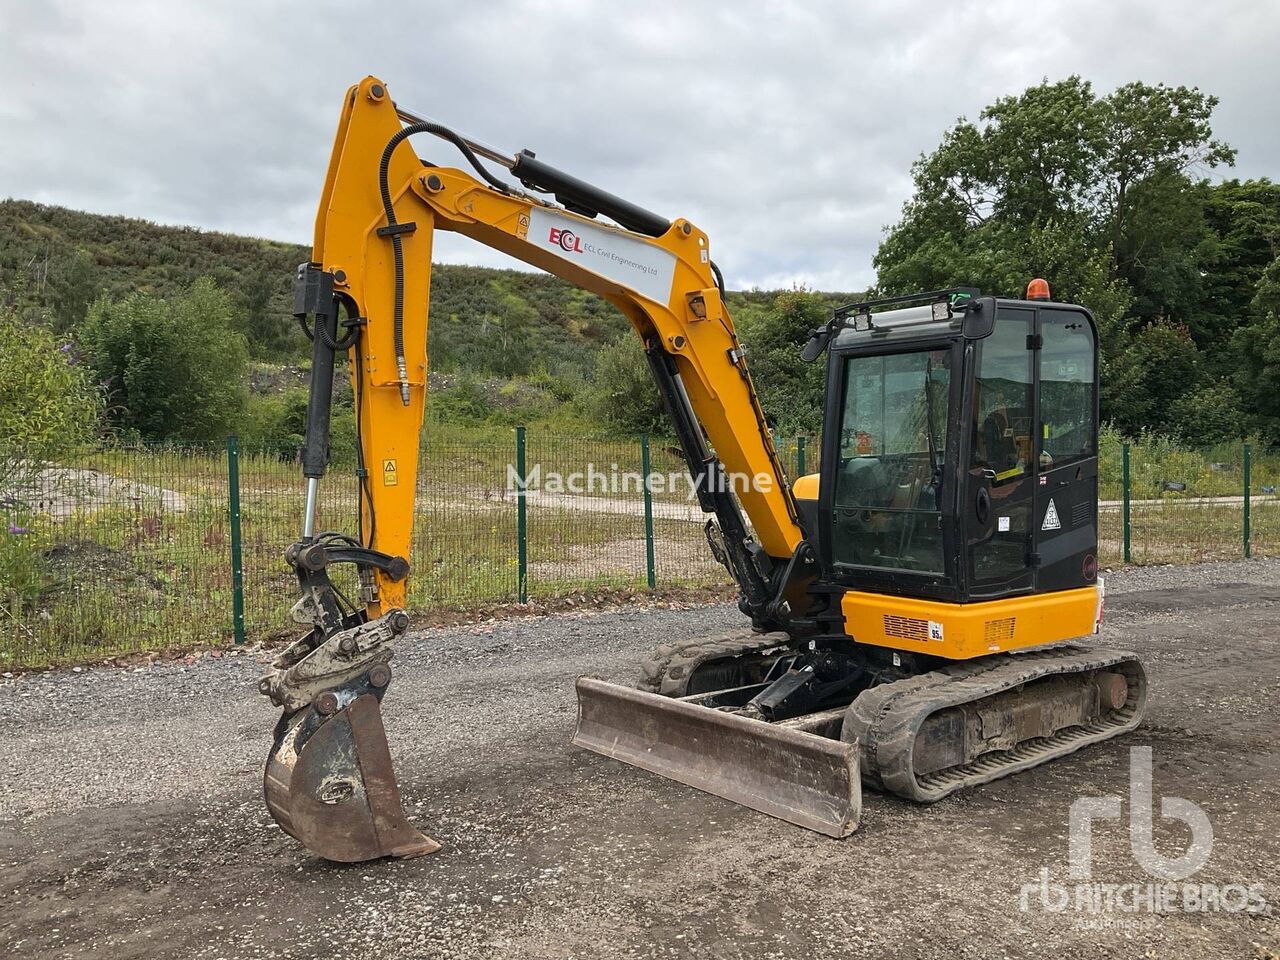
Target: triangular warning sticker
pixel 1051 521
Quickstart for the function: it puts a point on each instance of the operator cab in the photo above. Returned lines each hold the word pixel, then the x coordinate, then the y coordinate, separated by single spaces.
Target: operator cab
pixel 960 460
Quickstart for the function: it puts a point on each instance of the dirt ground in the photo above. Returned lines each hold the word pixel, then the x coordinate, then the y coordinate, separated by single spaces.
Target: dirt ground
pixel 132 823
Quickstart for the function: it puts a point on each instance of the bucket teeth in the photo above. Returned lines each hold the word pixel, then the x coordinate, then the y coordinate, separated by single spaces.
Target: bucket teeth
pixel 330 785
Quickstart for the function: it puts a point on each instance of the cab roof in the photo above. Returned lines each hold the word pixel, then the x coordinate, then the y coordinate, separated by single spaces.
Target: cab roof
pixel 935 315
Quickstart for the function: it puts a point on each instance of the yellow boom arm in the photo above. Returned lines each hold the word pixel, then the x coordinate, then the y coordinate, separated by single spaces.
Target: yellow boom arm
pixel 664 284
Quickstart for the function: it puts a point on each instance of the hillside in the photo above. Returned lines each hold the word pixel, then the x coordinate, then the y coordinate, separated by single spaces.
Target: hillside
pixel 483 321
pixel 506 346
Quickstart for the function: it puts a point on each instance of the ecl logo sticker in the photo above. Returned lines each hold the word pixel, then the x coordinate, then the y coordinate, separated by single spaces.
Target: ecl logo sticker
pixel 566 240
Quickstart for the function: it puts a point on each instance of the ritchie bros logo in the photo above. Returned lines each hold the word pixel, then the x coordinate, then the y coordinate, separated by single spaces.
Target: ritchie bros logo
pixel 566 240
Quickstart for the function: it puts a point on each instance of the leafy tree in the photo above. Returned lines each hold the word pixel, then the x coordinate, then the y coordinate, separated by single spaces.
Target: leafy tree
pixel 73 285
pixel 172 369
pixel 1258 347
pixel 1212 414
pixel 1095 194
pixel 1146 379
pixel 1161 253
pixel 48 405
pixel 265 324
pixel 1153 132
pixel 510 329
pixel 790 390
pixel 1244 228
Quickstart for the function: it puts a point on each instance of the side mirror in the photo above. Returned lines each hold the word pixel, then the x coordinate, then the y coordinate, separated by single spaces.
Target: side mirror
pixel 979 319
pixel 817 344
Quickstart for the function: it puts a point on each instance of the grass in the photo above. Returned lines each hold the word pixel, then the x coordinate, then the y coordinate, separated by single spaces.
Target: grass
pixel 131 568
pixel 1210 472
pixel 139 558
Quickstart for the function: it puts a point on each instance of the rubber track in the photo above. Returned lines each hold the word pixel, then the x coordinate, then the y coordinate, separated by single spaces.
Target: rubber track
pixel 885 719
pixel 669 666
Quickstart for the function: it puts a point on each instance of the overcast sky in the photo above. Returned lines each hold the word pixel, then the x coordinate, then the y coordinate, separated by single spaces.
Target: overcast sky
pixel 786 130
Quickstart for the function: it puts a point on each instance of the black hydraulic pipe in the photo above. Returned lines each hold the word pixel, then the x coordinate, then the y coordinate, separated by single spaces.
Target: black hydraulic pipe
pixel 315 451
pixel 709 481
pixel 584 198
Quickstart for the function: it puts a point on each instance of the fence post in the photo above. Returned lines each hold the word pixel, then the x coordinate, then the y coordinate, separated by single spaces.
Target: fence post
pixel 651 574
pixel 1248 450
pixel 1124 480
pixel 800 455
pixel 237 566
pixel 522 521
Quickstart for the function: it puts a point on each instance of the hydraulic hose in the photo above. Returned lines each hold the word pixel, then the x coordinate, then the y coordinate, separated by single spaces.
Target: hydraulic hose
pixel 394 229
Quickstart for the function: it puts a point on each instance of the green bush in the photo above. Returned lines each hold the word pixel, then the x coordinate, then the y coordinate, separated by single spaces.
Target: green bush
pixel 172 369
pixel 790 390
pixel 48 406
pixel 47 401
pixel 277 423
pixel 463 401
pixel 626 398
pixel 23 568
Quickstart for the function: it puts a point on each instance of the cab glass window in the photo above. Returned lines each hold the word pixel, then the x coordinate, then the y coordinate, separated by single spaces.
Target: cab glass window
pixel 1067 401
pixel 1003 416
pixel 893 437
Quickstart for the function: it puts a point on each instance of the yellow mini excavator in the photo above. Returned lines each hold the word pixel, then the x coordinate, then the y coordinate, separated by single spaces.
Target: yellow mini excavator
pixel 907 610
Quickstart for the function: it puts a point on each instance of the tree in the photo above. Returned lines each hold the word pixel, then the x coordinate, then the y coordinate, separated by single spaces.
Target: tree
pixel 73 285
pixel 48 406
pixel 1058 150
pixel 1243 221
pixel 791 390
pixel 267 329
pixel 172 369
pixel 1153 132
pixel 1145 380
pixel 509 355
pixel 1258 348
pixel 1095 194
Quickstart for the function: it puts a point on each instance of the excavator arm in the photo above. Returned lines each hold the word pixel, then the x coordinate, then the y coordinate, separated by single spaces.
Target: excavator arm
pixel 379 211
pixel 366 293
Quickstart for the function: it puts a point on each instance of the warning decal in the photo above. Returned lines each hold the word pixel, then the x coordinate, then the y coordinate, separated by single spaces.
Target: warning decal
pixel 390 476
pixel 1051 521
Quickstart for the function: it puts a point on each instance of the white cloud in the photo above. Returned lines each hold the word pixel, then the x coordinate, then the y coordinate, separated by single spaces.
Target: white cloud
pixel 785 130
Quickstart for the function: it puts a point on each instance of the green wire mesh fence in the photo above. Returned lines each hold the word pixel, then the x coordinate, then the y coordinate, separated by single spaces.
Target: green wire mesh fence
pixel 129 548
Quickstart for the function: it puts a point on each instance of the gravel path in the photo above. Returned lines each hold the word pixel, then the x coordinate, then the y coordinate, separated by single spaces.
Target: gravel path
pixel 132 823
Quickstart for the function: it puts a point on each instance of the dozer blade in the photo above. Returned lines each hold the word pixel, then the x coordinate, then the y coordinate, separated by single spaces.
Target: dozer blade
pixel 330 785
pixel 805 779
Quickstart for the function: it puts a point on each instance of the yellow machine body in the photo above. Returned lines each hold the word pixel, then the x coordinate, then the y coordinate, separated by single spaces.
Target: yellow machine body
pixel 961 631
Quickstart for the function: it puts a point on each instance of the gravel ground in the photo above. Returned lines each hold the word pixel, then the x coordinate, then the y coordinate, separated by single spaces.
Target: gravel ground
pixel 132 823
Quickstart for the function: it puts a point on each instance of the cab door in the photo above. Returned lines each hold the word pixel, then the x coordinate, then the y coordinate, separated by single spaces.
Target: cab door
pixel 998 504
pixel 1066 503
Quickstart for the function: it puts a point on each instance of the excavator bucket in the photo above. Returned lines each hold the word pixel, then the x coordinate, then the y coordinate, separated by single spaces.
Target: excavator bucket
pixel 330 785
pixel 779 769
